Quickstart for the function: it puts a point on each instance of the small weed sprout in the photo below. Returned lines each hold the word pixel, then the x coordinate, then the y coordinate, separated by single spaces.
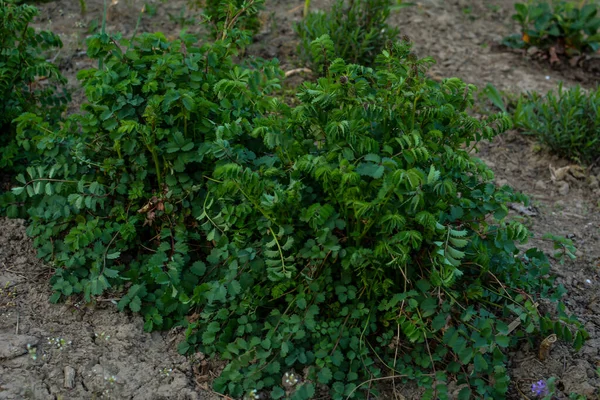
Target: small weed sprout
pixel 102 336
pixel 539 388
pixel 110 384
pixel 546 390
pixel 290 379
pixel 166 371
pixel 252 395
pixel 58 342
pixel 563 247
pixel 32 351
pixel 7 297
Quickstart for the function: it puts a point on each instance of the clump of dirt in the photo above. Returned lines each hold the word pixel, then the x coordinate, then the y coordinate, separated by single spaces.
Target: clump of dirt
pixel 70 352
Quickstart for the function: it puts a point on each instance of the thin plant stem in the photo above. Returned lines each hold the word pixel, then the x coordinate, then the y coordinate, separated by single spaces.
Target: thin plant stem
pixel 306 8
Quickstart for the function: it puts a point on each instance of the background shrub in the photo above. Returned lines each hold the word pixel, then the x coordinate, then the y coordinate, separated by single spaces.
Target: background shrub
pixel 357 28
pixel 226 15
pixel 569 26
pixel 28 83
pixel 568 122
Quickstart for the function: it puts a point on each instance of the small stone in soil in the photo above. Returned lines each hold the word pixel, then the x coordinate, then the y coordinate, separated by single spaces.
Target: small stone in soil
pixel 541 185
pixel 564 188
pixel 69 377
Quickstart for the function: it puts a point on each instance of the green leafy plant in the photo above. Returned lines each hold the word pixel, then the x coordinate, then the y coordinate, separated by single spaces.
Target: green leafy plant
pixel 563 247
pixel 316 247
pixel 28 83
pixel 226 15
pixel 546 390
pixel 570 27
pixel 357 29
pixel 568 122
pixel 494 96
pixel 150 107
pixel 181 19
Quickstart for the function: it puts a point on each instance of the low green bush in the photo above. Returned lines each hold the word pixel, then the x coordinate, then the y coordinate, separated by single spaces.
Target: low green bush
pixel 568 122
pixel 357 28
pixel 565 25
pixel 316 247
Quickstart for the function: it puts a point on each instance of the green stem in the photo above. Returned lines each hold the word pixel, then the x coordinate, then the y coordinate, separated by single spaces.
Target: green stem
pixel 104 15
pixel 306 7
pixel 269 219
pixel 210 219
pixel 414 110
pixel 279 249
pixel 156 164
pixel 135 31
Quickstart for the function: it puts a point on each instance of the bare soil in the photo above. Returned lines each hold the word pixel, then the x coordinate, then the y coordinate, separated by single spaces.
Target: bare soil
pixel 105 354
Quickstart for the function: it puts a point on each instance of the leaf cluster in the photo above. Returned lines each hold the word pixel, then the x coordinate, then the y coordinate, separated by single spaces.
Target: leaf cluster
pixel 28 83
pixel 345 238
pixel 568 121
pixel 357 29
pixel 570 27
pixel 224 16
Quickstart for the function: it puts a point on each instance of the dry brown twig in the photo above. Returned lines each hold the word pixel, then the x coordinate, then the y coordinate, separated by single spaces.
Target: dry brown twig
pixel 297 71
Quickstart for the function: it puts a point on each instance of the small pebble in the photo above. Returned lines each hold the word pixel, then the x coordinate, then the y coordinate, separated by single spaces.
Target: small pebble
pixel 541 185
pixel 564 188
pixel 69 381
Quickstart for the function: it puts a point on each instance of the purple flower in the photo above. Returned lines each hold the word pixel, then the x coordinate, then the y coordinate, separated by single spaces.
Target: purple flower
pixel 539 388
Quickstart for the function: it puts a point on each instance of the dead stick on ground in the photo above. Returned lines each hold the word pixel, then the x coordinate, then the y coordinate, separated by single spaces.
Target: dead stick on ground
pixel 293 10
pixel 297 71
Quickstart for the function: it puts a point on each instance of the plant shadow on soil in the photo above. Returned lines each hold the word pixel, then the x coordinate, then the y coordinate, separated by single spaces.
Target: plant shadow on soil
pixel 105 353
